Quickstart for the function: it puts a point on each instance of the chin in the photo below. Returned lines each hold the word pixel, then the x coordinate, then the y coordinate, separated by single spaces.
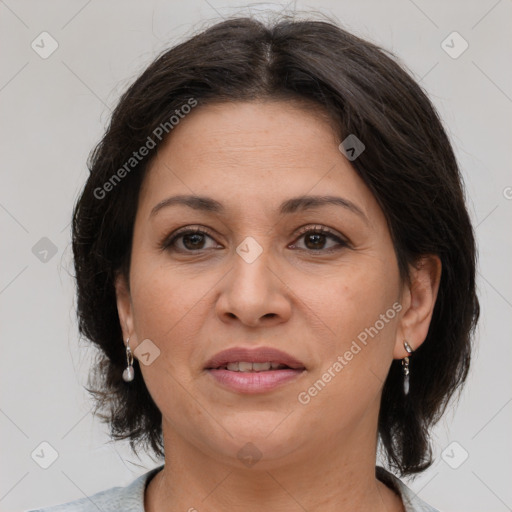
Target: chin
pixel 255 453
pixel 260 438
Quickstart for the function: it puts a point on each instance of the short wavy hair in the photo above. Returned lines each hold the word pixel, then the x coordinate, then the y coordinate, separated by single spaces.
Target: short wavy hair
pixel 408 164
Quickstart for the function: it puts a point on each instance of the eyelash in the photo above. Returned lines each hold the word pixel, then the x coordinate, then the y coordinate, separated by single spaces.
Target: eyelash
pixel 168 243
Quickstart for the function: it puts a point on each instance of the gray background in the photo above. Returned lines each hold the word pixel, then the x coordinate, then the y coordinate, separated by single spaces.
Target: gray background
pixel 54 110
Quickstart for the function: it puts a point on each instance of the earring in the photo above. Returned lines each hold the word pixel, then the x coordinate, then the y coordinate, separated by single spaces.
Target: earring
pixel 405 365
pixel 129 373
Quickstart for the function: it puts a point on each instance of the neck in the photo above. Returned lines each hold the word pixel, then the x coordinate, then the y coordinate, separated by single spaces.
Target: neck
pixel 340 477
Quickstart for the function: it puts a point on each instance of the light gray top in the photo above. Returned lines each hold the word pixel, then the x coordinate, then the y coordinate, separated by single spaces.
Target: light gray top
pixel 131 497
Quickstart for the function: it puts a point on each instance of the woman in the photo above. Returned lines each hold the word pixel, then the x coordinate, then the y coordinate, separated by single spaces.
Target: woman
pixel 274 256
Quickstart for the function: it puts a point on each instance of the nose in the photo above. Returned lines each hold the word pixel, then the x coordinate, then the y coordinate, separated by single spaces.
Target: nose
pixel 254 293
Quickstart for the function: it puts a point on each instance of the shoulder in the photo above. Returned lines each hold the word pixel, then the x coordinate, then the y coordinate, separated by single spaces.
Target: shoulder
pixel 128 499
pixel 411 501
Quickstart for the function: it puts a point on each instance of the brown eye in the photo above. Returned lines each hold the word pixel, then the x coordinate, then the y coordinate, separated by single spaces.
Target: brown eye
pixel 187 240
pixel 193 241
pixel 316 239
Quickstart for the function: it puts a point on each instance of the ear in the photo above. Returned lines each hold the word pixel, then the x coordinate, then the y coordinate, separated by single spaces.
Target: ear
pixel 124 306
pixel 418 301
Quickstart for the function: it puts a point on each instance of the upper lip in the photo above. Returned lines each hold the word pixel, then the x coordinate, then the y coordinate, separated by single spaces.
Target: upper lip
pixel 254 355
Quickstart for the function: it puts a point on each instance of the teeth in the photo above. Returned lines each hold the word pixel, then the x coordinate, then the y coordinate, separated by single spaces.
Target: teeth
pixel 243 366
pixel 261 367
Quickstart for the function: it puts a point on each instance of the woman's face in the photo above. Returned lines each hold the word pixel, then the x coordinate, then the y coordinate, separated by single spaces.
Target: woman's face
pixel 257 276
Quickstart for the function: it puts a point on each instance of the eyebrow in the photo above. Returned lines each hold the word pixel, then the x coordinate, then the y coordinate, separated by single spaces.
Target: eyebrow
pixel 292 205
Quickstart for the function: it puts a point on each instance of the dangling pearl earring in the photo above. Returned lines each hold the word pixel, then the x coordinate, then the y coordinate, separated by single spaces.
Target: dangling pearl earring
pixel 129 373
pixel 405 364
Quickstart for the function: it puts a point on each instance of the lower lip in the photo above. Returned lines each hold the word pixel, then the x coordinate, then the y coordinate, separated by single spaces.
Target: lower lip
pixel 254 382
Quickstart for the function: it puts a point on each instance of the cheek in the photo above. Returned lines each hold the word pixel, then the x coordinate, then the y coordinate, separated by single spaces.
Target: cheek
pixel 170 307
pixel 358 313
pixel 169 311
pixel 352 298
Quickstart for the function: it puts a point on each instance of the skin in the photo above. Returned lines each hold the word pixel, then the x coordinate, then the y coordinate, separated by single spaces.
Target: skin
pixel 311 303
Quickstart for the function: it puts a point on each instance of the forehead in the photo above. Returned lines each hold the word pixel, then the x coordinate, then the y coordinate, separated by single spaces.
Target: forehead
pixel 233 133
pixel 254 154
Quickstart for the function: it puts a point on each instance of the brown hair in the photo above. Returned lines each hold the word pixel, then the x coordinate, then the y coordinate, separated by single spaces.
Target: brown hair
pixel 408 164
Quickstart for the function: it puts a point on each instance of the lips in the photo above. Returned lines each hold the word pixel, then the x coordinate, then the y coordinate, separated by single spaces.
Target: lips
pixel 254 371
pixel 247 360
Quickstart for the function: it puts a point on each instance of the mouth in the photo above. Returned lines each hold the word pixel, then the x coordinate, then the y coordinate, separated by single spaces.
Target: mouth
pixel 254 371
pixel 260 359
pixel 247 367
